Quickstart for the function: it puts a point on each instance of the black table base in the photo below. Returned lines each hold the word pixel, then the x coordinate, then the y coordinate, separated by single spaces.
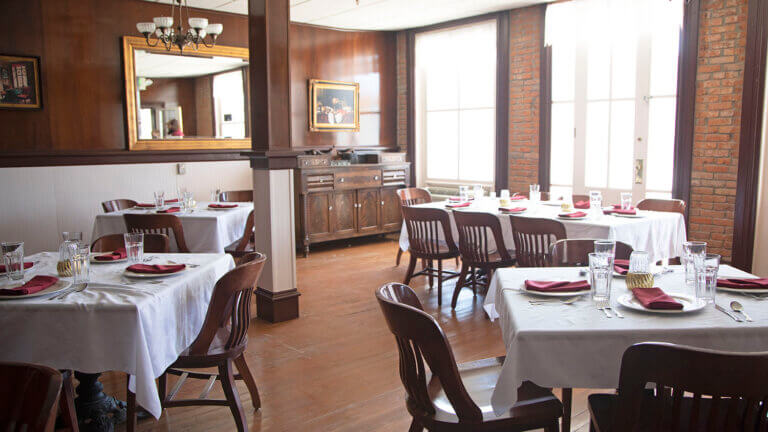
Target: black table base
pixel 96 411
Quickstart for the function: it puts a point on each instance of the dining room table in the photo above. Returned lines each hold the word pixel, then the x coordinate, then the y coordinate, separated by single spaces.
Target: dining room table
pixel 206 230
pixel 661 234
pixel 119 321
pixel 568 342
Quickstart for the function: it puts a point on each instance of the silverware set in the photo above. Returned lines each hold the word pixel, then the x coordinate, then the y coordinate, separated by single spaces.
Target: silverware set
pixel 737 312
pixel 73 289
pixel 563 301
pixel 609 312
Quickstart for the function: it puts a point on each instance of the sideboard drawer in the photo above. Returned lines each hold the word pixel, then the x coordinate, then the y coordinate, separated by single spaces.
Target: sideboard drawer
pixel 359 178
pixel 313 182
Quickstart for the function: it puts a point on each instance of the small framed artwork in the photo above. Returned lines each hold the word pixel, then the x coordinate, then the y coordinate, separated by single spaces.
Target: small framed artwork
pixel 334 106
pixel 20 82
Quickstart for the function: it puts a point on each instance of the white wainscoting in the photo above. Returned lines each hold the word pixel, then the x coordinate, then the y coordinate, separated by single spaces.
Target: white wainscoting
pixel 37 204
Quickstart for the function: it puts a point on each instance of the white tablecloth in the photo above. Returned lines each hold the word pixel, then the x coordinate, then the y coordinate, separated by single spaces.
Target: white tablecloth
pixel 204 230
pixel 139 329
pixel 661 234
pixel 576 346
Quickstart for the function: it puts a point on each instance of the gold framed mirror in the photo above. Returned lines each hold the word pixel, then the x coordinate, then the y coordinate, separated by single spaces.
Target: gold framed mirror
pixel 198 100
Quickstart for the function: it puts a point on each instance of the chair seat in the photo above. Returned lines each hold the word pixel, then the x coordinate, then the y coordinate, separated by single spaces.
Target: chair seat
pixel 216 352
pixel 479 379
pixel 602 406
pixel 443 252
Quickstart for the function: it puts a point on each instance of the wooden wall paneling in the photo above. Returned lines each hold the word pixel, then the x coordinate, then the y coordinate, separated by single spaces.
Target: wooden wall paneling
pixel 205 112
pixel 747 185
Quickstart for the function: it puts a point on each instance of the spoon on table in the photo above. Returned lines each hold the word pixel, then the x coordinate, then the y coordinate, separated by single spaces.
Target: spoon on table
pixel 737 307
pixel 565 302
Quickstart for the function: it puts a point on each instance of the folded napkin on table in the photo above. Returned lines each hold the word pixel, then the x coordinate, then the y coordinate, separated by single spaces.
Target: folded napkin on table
pixel 36 284
pixel 573 215
pixel 754 283
pixel 517 197
pixel 145 205
pixel 556 286
pixel 170 210
pixel 171 200
pixel 458 199
pixel 621 266
pixel 615 210
pixel 26 266
pixel 655 298
pixel 118 254
pixel 581 204
pixel 222 205
pixel 156 268
pixel 464 204
pixel 512 209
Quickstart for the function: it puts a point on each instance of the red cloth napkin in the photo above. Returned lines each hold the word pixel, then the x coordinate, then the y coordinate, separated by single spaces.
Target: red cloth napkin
pixel 655 298
pixel 517 197
pixel 573 215
pixel 754 283
pixel 621 266
pixel 222 205
pixel 118 254
pixel 512 209
pixel 26 266
pixel 457 199
pixel 172 200
pixel 556 286
pixel 36 284
pixel 581 204
pixel 145 205
pixel 156 268
pixel 465 204
pixel 631 211
pixel 170 210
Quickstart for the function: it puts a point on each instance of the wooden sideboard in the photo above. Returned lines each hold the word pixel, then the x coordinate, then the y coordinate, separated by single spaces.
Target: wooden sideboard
pixel 338 202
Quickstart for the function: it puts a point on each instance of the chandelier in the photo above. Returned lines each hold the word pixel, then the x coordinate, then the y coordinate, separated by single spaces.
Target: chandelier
pixel 163 30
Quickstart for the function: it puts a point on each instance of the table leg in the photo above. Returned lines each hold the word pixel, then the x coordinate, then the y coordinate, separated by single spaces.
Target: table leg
pixel 567 402
pixel 96 411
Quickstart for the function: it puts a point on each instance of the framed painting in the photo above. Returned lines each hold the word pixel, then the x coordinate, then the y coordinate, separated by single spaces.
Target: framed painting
pixel 334 106
pixel 20 82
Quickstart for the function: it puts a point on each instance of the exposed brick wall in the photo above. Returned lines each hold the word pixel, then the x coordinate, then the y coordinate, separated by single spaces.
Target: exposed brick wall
pixel 402 92
pixel 526 32
pixel 719 84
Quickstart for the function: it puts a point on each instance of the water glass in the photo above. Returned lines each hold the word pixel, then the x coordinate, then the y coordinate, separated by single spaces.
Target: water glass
pixel 534 193
pixel 692 249
pixel 186 201
pixel 479 192
pixel 216 195
pixel 626 200
pixel 80 262
pixel 601 276
pixel 596 203
pixel 13 258
pixel 605 247
pixel 134 247
pixel 464 193
pixel 159 199
pixel 706 277
pixel 74 236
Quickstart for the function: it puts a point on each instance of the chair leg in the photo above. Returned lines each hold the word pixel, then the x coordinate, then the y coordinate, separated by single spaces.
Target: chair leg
pixel 67 403
pixel 162 385
pixel 245 373
pixel 411 268
pixel 430 266
pixel 439 282
pixel 399 255
pixel 457 261
pixel 554 427
pixel 228 384
pixel 459 283
pixel 415 427
pixel 567 403
pixel 130 418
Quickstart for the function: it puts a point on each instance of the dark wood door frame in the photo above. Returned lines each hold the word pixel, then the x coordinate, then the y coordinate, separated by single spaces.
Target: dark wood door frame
pixel 747 185
pixel 502 18
pixel 545 115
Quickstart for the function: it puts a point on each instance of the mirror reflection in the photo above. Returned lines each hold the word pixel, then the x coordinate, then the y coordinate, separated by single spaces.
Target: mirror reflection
pixel 190 96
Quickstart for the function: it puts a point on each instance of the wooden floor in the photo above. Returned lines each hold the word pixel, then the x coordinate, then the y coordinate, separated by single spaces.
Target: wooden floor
pixel 335 368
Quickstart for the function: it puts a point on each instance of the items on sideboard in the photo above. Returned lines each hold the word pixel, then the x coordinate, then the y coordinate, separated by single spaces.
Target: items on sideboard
pixel 20 82
pixel 334 106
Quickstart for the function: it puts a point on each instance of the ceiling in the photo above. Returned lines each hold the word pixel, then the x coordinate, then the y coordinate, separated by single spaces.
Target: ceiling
pixel 374 14
pixel 152 65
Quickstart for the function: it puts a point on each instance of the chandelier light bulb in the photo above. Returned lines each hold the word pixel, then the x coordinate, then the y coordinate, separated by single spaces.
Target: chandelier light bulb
pixel 214 29
pixel 145 27
pixel 162 30
pixel 198 23
pixel 163 22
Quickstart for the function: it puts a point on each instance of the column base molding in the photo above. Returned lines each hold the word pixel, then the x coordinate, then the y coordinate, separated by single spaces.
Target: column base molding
pixel 277 307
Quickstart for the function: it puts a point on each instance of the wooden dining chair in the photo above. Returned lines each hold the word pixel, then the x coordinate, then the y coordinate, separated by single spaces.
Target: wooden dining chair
pixel 694 390
pixel 117 204
pixel 410 197
pixel 237 196
pixel 29 397
pixel 153 243
pixel 534 238
pixel 476 231
pixel 221 342
pixel 425 226
pixel 447 396
pixel 662 205
pixel 158 224
pixel 576 198
pixel 575 252
pixel 246 244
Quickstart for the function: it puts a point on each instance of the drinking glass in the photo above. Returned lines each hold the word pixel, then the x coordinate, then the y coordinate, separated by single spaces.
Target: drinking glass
pixel 186 201
pixel 534 193
pixel 692 249
pixel 215 195
pixel 605 247
pixel 464 193
pixel 626 200
pixel 80 262
pixel 134 246
pixel 596 203
pixel 75 236
pixel 159 199
pixel 13 258
pixel 639 274
pixel 706 277
pixel 601 276
pixel 479 192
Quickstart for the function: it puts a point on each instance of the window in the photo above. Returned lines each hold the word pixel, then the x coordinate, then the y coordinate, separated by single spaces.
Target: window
pixel 614 94
pixel 455 105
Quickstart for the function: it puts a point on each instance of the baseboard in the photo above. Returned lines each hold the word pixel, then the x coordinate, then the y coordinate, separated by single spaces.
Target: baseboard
pixel 277 307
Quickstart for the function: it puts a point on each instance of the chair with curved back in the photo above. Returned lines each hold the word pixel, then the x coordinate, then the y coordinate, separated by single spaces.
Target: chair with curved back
pixel 158 224
pixel 246 244
pixel 117 204
pixel 695 390
pixel 579 198
pixel 30 399
pixel 430 239
pixel 221 342
pixel 409 197
pixel 534 238
pixel 237 196
pixel 451 397
pixel 153 243
pixel 478 249
pixel 662 205
pixel 575 252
